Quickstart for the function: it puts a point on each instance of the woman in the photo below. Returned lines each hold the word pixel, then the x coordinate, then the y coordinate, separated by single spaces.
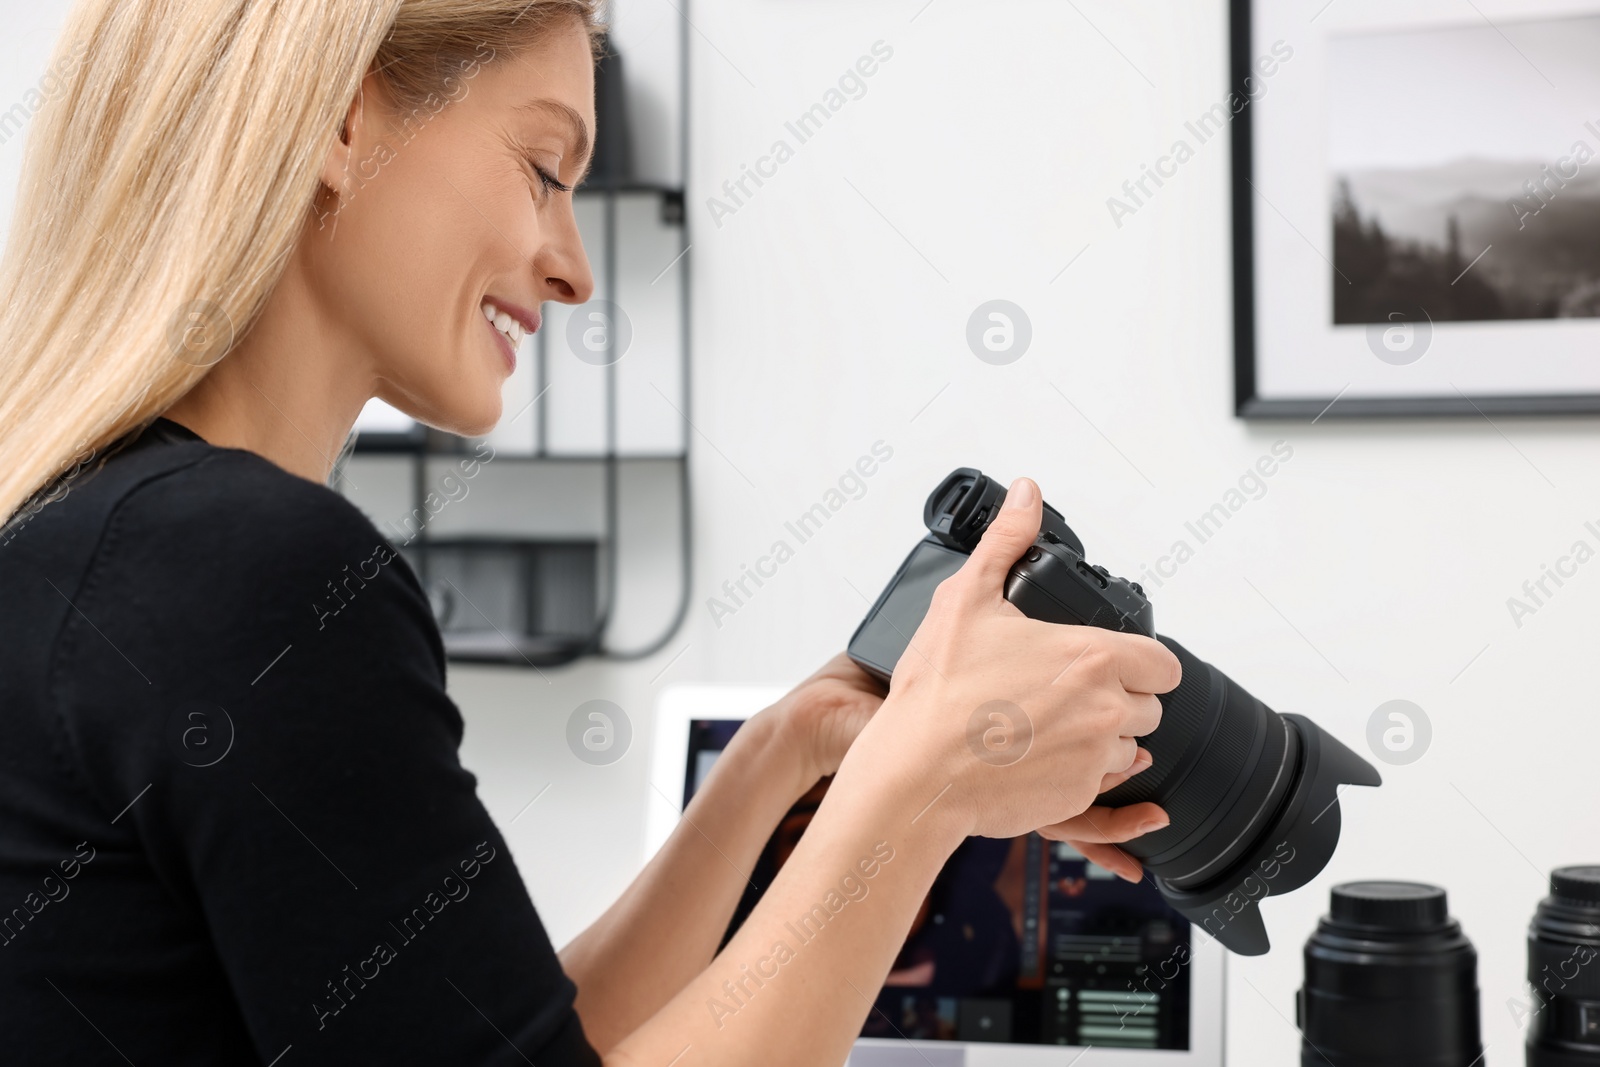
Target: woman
pixel 233 825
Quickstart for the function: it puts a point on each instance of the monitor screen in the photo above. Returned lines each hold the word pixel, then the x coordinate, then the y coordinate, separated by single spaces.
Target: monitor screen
pixel 1021 941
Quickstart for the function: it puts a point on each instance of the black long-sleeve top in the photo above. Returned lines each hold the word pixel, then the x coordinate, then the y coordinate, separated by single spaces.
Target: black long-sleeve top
pixel 234 827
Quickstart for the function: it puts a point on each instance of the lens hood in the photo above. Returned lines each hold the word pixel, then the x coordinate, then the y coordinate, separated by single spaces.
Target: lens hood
pixel 1292 847
pixel 1252 797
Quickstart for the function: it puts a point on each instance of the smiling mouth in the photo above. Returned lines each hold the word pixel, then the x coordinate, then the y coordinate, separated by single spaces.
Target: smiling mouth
pixel 511 323
pixel 509 328
pixel 508 354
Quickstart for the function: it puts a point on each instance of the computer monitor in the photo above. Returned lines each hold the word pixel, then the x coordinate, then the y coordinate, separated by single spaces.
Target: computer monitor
pixel 1022 952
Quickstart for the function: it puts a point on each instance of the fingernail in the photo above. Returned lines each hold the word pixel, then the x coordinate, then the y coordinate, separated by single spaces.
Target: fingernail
pixel 1151 825
pixel 1020 495
pixel 1142 759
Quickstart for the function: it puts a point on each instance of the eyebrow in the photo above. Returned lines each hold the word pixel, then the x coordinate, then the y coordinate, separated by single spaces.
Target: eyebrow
pixel 579 130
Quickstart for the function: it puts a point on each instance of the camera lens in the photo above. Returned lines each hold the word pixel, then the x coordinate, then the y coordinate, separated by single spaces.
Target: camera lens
pixel 1563 941
pixel 1391 981
pixel 1252 797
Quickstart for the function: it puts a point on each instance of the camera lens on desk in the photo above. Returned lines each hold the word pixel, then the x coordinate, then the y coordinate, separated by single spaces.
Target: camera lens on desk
pixel 1391 981
pixel 1563 972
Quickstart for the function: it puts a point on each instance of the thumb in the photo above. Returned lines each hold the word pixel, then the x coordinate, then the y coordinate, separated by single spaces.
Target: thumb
pixel 1008 536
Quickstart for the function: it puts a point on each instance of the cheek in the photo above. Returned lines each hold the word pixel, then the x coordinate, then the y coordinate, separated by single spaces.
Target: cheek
pixel 386 258
pixel 403 263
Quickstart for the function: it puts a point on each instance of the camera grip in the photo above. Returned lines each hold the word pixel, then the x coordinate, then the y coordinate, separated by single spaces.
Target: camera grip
pixel 1053 584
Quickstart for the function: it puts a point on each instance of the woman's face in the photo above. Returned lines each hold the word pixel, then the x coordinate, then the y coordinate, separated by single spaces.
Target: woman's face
pixel 450 212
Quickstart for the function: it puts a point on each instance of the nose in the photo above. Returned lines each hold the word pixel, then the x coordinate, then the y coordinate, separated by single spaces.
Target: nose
pixel 562 266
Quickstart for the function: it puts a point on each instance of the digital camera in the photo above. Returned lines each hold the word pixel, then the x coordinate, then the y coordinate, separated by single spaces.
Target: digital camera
pixel 1251 794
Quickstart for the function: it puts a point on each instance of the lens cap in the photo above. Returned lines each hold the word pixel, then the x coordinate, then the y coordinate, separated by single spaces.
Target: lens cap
pixel 1389 906
pixel 1391 981
pixel 1576 885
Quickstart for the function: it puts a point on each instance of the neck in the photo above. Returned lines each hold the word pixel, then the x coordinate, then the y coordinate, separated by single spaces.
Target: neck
pixel 290 390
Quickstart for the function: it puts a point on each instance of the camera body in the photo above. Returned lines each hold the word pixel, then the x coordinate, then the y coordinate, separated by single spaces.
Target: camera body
pixel 1052 582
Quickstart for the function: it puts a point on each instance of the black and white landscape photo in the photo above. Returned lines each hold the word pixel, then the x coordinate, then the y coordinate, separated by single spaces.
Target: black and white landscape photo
pixel 1465 171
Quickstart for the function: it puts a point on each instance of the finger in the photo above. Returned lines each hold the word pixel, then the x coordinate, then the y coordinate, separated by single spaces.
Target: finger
pixel 1125 753
pixel 1146 665
pixel 1103 825
pixel 1141 761
pixel 1141 715
pixel 1007 538
pixel 1115 860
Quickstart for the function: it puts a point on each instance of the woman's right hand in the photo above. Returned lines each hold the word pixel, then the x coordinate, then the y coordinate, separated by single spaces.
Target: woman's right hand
pixel 1013 723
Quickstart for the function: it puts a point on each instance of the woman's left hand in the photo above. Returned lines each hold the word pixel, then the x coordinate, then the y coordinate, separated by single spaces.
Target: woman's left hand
pixel 823 714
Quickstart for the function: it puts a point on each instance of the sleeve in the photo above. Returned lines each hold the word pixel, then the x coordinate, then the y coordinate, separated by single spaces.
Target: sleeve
pixel 295 760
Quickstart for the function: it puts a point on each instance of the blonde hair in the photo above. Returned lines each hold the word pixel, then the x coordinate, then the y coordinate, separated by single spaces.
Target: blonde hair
pixel 169 171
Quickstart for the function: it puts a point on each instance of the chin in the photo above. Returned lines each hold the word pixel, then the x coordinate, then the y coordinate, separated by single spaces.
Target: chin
pixel 461 414
pixel 478 420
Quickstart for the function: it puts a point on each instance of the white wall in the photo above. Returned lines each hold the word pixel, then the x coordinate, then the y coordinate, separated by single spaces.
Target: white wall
pixel 1376 566
pixel 991 141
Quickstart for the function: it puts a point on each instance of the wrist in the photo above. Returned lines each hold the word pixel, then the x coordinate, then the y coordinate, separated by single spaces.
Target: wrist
pixel 899 790
pixel 770 742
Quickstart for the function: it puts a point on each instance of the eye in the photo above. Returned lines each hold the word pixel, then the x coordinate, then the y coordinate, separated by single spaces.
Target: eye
pixel 548 181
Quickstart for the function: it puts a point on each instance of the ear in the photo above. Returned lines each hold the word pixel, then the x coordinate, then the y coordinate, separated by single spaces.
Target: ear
pixel 351 142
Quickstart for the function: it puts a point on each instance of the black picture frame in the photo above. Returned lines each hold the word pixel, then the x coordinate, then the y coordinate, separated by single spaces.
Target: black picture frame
pixel 1248 404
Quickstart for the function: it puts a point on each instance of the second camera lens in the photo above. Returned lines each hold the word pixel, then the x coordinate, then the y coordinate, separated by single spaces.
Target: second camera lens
pixel 1563 943
pixel 1391 981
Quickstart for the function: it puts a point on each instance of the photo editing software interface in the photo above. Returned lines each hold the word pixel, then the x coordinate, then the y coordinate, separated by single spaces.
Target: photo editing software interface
pixel 1022 941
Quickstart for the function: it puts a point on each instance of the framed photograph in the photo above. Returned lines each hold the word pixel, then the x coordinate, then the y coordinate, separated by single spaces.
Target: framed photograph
pixel 1416 207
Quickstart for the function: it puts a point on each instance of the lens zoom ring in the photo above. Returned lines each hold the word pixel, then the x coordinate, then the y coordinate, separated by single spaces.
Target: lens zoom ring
pixel 1232 756
pixel 1186 713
